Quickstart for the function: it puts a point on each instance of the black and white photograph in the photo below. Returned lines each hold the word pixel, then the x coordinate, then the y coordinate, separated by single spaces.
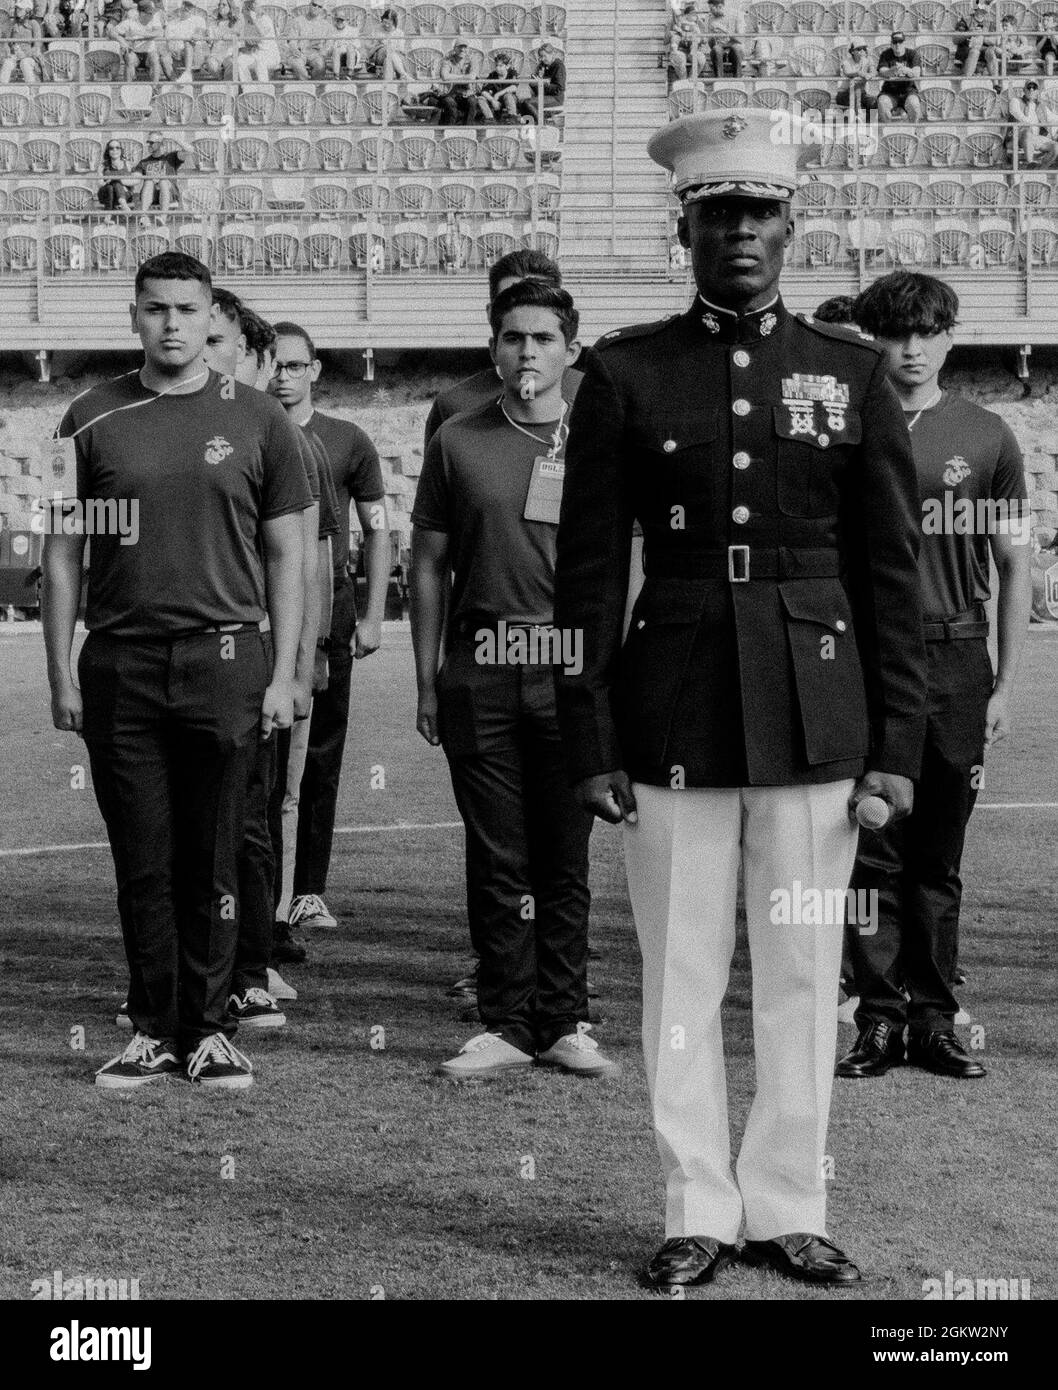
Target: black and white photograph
pixel 528 653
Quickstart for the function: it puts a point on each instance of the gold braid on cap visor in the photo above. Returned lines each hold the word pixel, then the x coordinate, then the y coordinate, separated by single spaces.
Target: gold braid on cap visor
pixel 739 188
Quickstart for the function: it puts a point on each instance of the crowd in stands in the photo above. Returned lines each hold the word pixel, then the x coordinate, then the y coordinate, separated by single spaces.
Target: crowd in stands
pixel 960 64
pixel 243 40
pixel 149 109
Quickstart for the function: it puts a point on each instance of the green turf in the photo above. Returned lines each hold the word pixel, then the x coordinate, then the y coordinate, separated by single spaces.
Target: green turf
pixel 355 1168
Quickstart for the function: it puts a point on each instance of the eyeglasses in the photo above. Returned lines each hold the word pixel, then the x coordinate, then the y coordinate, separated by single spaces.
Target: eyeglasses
pixel 292 369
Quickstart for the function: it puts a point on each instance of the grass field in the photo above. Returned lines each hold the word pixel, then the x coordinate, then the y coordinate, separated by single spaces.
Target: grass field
pixel 352 1167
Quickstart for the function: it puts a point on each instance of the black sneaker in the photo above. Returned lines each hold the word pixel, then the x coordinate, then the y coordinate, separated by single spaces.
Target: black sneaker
pixel 145 1059
pixel 215 1062
pixel 256 1009
pixel 287 947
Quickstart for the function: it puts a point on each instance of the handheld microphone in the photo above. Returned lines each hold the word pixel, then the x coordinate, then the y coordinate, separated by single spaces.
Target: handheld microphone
pixel 873 812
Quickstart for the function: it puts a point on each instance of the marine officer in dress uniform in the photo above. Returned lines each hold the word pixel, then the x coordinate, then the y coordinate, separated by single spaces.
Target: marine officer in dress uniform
pixel 773 675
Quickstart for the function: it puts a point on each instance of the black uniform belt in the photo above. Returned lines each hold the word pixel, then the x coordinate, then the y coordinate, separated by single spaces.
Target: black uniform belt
pixel 740 563
pixel 959 627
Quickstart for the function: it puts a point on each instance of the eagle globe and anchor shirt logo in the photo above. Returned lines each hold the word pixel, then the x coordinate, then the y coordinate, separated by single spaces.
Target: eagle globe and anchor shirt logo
pixel 217 450
pixel 955 470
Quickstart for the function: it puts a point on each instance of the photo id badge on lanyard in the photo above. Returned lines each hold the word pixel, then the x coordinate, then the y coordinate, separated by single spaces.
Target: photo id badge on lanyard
pixel 543 501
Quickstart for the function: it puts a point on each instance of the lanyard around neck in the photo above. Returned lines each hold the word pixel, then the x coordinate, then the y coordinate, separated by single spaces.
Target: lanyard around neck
pixel 559 437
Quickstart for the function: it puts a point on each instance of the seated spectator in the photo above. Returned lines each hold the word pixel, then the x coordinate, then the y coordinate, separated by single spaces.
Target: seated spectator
pixel 309 43
pixel 553 70
pixel 142 39
pixel 186 35
pixel 979 45
pixel 223 37
pixel 111 15
pixel 1047 43
pixel 497 94
pixel 116 192
pixel 898 66
pixel 456 100
pixel 23 46
pixel 387 57
pixel 688 51
pixel 1029 129
pixel 856 72
pixel 158 168
pixel 726 49
pixel 1014 48
pixel 66 19
pixel 346 53
pixel 259 51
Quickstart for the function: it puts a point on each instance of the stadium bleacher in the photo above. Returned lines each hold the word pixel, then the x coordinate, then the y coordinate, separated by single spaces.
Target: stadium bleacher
pixel 355 185
pixel 881 194
pixel 266 155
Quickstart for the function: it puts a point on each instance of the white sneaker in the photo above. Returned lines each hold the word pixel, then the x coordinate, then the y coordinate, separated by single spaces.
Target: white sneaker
pixel 278 987
pixel 578 1053
pixel 310 911
pixel 485 1055
pixel 216 1063
pixel 847 1009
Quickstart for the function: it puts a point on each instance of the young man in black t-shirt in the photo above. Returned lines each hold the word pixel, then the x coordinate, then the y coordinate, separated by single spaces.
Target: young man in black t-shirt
pixel 484 526
pixel 354 470
pixel 176 679
pixel 242 345
pixel 899 67
pixel 974 508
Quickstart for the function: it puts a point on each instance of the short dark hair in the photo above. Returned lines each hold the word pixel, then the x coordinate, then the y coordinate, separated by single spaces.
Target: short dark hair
pixel 906 302
pixel 837 309
pixel 525 265
pixel 259 335
pixel 531 294
pixel 173 265
pixel 295 330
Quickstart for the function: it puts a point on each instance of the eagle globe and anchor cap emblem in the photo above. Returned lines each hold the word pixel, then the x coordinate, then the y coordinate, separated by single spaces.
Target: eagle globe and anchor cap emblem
pixel 218 449
pixel 733 127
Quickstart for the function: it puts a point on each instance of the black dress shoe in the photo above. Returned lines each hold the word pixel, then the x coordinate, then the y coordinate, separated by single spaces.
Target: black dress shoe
pixel 802 1256
pixel 688 1260
pixel 942 1053
pixel 879 1047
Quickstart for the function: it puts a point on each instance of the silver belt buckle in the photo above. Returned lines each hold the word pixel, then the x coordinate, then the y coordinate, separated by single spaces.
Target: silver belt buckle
pixel 738 564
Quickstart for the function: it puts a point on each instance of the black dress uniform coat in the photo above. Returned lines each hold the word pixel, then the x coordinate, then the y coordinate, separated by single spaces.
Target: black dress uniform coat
pixel 777 639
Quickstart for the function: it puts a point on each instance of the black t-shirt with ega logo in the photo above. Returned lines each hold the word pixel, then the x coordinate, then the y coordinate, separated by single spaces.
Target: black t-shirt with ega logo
pixel 204 470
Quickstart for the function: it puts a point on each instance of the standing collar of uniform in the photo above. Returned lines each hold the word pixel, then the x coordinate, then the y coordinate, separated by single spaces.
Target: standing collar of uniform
pixel 725 326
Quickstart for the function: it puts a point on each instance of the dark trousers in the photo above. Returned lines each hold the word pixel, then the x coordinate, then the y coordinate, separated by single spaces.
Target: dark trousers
pixel 275 811
pixel 256 876
pixel 171 731
pixel 455 109
pixel 526 847
pixel 323 761
pixel 914 864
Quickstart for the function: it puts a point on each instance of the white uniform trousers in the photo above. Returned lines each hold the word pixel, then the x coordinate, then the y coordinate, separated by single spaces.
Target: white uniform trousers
pixel 683 859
